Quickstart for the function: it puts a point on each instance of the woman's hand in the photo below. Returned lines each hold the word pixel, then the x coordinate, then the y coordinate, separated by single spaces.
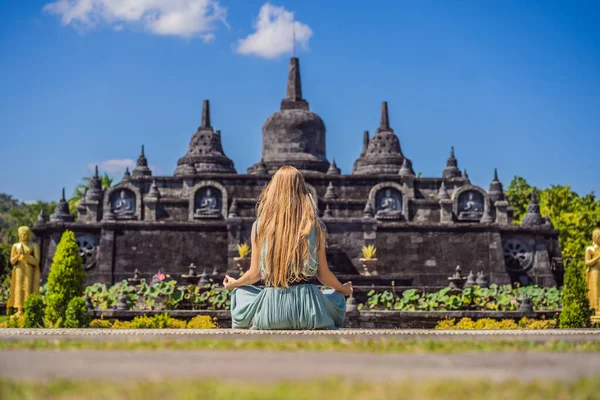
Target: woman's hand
pixel 347 289
pixel 229 282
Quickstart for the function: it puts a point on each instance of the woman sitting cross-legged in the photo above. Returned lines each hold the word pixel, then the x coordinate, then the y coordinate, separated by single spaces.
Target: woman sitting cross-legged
pixel 288 248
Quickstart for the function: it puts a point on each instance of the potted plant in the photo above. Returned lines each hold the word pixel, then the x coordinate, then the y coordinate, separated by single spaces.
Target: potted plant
pixel 368 260
pixel 243 261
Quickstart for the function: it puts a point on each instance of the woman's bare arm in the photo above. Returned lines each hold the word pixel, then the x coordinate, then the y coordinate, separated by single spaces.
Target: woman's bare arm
pixel 326 277
pixel 253 275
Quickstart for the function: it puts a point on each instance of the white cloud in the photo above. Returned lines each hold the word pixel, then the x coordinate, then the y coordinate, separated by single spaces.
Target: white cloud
pixel 274 33
pixel 116 168
pixel 185 18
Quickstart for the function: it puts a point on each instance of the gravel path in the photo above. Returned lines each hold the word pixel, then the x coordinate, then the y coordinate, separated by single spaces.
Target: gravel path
pixel 274 366
pixel 546 334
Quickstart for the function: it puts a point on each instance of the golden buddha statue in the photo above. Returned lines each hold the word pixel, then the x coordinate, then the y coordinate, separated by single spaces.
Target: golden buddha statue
pixel 25 279
pixel 592 273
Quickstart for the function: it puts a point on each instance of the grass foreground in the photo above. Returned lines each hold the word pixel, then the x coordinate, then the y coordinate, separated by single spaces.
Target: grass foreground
pixel 328 389
pixel 381 345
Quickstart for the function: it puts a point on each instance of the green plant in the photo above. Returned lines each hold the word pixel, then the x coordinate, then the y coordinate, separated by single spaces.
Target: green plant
pixel 369 251
pixel 65 280
pixel 243 249
pixel 202 322
pixel 100 324
pixel 34 311
pixel 494 298
pixel 76 315
pixel 488 323
pixel 16 321
pixel 576 311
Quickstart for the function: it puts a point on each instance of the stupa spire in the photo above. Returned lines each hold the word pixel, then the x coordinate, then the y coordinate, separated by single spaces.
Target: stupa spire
pixel 293 95
pixel 533 216
pixel 451 170
pixel 141 169
pixel 384 122
pixel 294 84
pixel 365 142
pixel 205 124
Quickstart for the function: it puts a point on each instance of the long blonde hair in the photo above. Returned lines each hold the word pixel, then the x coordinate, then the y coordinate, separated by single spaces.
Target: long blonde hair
pixel 286 213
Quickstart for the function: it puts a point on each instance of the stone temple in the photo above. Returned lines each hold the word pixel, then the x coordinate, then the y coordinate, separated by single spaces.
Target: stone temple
pixel 422 227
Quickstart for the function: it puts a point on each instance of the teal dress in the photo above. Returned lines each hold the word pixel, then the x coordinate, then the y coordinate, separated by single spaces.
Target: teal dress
pixel 301 306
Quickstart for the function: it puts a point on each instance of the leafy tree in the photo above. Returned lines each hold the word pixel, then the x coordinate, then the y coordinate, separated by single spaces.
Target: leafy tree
pixel 518 195
pixel 576 310
pixel 66 279
pixel 575 216
pixel 25 214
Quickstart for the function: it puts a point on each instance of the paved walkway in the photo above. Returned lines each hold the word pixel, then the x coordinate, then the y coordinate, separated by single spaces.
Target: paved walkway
pixel 273 366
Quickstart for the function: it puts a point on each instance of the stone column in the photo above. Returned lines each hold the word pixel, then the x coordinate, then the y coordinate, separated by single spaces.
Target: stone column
pixel 502 212
pixel 542 271
pixel 446 215
pixel 152 205
pixel 408 182
pixel 234 237
pixel 369 226
pixel 107 254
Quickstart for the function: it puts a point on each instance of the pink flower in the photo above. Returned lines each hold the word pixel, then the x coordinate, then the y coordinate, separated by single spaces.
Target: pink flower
pixel 160 277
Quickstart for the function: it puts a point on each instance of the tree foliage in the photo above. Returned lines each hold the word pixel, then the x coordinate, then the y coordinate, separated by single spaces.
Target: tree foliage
pixel 576 310
pixel 66 279
pixel 575 216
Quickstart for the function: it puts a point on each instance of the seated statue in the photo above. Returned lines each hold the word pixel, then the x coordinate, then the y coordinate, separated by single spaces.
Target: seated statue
pixel 209 206
pixel 472 209
pixel 123 206
pixel 389 207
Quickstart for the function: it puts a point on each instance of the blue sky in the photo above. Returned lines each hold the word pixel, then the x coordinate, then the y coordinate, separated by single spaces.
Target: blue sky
pixel 511 84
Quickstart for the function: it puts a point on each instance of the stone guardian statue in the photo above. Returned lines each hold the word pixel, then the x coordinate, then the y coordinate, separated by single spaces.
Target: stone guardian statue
pixel 25 279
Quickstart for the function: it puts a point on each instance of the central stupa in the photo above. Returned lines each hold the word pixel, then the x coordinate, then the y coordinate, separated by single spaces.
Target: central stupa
pixel 293 135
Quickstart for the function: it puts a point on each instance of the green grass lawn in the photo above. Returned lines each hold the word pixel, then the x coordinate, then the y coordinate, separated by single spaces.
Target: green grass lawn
pixel 330 389
pixel 381 345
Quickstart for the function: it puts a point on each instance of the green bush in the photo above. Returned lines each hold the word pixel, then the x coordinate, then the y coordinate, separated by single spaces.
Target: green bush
pixel 100 324
pixel 15 321
pixel 576 311
pixel 34 311
pixel 66 279
pixel 161 321
pixel 488 323
pixel 76 315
